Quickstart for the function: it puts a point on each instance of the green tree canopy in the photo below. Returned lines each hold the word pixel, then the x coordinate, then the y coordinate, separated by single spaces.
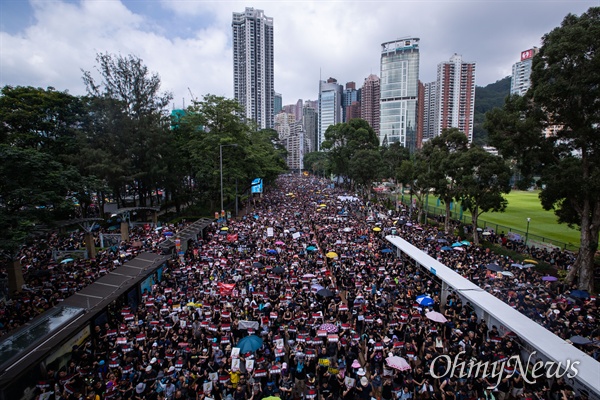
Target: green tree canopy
pixel 441 155
pixel 564 98
pixel 483 179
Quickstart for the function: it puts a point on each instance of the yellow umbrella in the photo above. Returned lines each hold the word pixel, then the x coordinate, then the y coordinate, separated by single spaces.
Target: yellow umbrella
pixel 322 205
pixel 530 261
pixel 331 254
pixel 224 228
pixel 377 229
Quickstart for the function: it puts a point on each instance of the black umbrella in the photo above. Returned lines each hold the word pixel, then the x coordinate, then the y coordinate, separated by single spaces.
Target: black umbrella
pixel 325 293
pixel 580 340
pixel 582 294
pixel 359 240
pixel 278 270
pixel 258 265
pixel 494 267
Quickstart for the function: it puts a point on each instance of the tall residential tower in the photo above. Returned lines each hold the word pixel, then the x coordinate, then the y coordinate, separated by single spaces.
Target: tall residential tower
pixel 253 65
pixel 455 96
pixel 521 72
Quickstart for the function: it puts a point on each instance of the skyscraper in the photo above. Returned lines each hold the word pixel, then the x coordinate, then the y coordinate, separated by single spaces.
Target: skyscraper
pixel 277 103
pixel 399 92
pixel 310 122
pixel 350 97
pixel 521 72
pixel 429 108
pixel 253 65
pixel 369 101
pixel 455 96
pixel 330 107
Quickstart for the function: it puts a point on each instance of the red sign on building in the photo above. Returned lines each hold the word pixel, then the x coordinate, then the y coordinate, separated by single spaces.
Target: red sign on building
pixel 527 54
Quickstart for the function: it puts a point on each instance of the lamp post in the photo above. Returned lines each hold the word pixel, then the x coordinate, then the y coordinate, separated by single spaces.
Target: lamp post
pixel 527 232
pixel 221 168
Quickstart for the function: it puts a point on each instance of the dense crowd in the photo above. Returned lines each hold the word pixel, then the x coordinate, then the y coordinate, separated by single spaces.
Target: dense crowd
pixel 51 272
pixel 301 299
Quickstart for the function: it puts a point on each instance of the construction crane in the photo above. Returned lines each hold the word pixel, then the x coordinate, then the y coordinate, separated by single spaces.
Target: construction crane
pixel 192 95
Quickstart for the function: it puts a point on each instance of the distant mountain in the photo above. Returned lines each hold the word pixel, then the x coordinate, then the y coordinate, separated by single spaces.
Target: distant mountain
pixel 487 98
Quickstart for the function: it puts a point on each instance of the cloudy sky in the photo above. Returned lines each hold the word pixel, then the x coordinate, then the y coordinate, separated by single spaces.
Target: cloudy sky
pixel 188 42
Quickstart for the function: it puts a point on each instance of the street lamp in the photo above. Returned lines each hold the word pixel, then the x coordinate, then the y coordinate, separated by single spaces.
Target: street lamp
pixel 527 232
pixel 221 167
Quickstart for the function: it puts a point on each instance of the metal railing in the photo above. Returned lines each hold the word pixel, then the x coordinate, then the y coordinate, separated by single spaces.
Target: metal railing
pixel 532 239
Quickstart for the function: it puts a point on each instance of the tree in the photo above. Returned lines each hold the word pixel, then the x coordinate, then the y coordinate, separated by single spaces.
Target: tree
pixel 564 96
pixel 343 140
pixel 365 167
pixel 482 180
pixel 441 155
pixel 316 162
pixel 414 173
pixel 34 190
pixel 143 119
pixel 215 121
pixel 392 156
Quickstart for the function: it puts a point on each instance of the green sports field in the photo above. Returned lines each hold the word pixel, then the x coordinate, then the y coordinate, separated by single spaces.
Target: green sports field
pixel 521 205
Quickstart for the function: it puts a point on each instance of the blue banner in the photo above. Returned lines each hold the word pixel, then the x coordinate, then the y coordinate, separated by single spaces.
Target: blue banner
pixel 257 185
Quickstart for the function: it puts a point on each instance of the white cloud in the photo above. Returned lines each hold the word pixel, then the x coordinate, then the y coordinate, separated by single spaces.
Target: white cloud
pixel 189 42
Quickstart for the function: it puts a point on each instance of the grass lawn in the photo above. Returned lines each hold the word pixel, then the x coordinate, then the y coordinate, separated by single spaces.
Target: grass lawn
pixel 521 205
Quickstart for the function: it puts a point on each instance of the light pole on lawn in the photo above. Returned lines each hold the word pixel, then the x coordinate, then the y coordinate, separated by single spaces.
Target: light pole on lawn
pixel 221 169
pixel 527 232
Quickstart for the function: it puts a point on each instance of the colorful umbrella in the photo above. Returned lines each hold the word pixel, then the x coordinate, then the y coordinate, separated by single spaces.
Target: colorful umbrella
pixel 549 278
pixel 436 316
pixel 250 344
pixel 377 229
pixel 457 244
pixel 398 363
pixel 582 294
pixel 331 254
pixel 424 300
pixel 311 248
pixel 530 261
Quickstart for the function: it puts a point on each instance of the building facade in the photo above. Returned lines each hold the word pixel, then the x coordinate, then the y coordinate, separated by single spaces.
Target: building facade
pixel 292 136
pixel 330 107
pixel 399 92
pixel 429 108
pixel 277 103
pixel 310 122
pixel 369 101
pixel 521 72
pixel 253 65
pixel 350 98
pixel 455 96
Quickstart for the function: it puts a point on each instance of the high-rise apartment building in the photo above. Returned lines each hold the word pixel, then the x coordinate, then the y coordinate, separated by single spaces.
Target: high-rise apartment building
pixel 330 107
pixel 369 101
pixel 455 96
pixel 310 122
pixel 350 97
pixel 253 65
pixel 427 120
pixel 399 92
pixel 521 72
pixel 292 135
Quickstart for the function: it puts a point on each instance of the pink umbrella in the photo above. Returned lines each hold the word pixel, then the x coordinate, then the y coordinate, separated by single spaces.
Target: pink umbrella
pixel 279 242
pixel 309 276
pixel 330 328
pixel 436 316
pixel 398 363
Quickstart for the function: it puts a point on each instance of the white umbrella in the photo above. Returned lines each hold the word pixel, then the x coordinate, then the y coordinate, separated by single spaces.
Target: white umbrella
pixel 486 233
pixel 507 273
pixel 398 363
pixel 436 316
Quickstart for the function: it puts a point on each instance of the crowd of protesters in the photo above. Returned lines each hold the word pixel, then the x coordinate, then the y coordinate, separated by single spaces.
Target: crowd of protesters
pixel 52 272
pixel 299 299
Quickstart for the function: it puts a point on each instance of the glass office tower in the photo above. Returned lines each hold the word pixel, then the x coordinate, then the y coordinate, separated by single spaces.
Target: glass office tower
pixel 399 92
